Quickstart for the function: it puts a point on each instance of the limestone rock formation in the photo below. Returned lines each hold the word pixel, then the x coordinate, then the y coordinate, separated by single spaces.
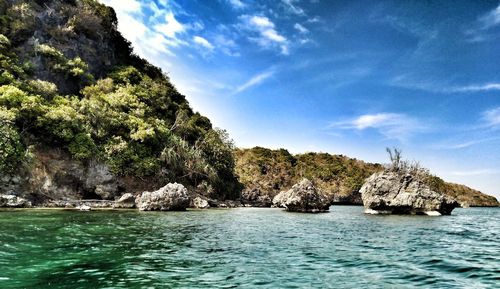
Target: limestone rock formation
pixel 172 197
pixel 200 203
pixel 127 201
pixel 393 193
pixel 302 197
pixel 12 201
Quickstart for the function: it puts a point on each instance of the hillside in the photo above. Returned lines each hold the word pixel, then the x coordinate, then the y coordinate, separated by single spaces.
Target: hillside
pixel 266 172
pixel 81 116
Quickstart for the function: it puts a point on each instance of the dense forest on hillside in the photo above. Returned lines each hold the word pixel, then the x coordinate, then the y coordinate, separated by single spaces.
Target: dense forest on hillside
pixel 69 80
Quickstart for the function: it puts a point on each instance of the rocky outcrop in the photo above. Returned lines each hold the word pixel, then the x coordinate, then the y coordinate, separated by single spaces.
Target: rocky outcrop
pixel 392 193
pixel 172 197
pixel 200 203
pixel 302 197
pixel 127 201
pixel 12 201
pixel 256 198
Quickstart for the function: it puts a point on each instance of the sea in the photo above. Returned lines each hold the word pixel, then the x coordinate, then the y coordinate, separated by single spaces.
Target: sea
pixel 248 248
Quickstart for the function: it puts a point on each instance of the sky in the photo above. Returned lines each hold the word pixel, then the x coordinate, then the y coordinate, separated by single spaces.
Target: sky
pixel 343 77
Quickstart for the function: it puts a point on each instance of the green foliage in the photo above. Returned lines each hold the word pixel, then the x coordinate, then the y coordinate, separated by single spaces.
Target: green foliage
pixel 274 170
pixel 132 117
pixel 11 147
pixel 46 89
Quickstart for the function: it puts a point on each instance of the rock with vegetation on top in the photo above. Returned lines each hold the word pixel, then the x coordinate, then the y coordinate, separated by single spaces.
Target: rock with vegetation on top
pixel 302 197
pixel 172 197
pixel 127 201
pixel 391 192
pixel 12 201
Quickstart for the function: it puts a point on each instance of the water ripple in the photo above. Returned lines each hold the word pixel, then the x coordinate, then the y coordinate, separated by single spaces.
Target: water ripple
pixel 248 248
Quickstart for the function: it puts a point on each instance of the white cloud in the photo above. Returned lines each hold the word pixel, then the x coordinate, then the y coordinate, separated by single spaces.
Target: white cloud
pixel 292 8
pixel 237 4
pixel 268 37
pixel 226 45
pixel 203 42
pixel 391 125
pixel 474 88
pixel 171 27
pixel 491 19
pixel 300 28
pixel 315 19
pixel 255 80
pixel 123 6
pixel 492 117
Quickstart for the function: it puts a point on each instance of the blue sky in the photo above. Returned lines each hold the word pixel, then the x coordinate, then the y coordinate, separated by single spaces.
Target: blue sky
pixel 344 77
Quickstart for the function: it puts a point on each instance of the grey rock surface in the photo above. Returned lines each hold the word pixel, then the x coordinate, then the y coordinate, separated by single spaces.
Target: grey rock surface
pixel 302 197
pixel 172 197
pixel 392 193
pixel 200 203
pixel 12 201
pixel 127 201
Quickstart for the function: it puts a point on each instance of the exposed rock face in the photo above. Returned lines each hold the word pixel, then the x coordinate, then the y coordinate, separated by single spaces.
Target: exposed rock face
pixel 12 201
pixel 200 203
pixel 172 197
pixel 392 193
pixel 127 201
pixel 302 197
pixel 256 198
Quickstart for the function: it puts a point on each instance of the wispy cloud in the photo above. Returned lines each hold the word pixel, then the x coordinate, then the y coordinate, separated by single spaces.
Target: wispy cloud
pixel 127 6
pixel 412 82
pixel 237 4
pixel 479 31
pixel 170 27
pixel 267 36
pixel 300 28
pixel 475 88
pixel 477 172
pixel 391 125
pixel 255 80
pixel 291 7
pixel 491 18
pixel 464 144
pixel 203 42
pixel 492 117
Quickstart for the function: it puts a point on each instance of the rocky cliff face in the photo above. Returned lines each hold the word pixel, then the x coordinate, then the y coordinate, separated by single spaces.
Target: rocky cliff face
pixel 53 176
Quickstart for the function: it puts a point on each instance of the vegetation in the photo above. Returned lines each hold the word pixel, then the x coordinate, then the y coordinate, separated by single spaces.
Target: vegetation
pixel 56 91
pixel 271 171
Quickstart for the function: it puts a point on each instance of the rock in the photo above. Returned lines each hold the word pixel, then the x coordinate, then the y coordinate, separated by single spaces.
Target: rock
pixel 84 208
pixel 127 201
pixel 256 198
pixel 200 203
pixel 392 193
pixel 172 197
pixel 12 201
pixel 302 197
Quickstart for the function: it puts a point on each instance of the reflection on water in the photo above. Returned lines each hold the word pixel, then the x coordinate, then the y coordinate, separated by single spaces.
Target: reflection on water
pixel 248 248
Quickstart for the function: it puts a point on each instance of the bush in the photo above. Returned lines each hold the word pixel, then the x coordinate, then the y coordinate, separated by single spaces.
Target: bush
pixel 11 148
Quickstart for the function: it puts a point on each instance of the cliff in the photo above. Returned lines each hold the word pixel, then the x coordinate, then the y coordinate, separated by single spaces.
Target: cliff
pixel 81 116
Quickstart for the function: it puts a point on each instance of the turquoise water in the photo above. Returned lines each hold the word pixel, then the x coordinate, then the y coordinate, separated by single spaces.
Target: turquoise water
pixel 248 248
